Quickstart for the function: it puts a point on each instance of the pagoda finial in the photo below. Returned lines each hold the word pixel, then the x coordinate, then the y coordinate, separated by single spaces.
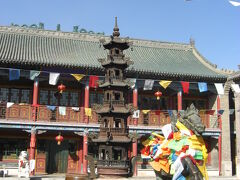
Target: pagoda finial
pixel 116 29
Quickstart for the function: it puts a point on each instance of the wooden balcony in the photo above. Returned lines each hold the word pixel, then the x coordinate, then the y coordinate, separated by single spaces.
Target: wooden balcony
pixel 42 113
pixel 161 118
pixel 26 112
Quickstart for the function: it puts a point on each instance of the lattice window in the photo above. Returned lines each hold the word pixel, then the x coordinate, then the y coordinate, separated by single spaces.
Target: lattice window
pixel 4 94
pixel 43 97
pixel 74 99
pixel 53 99
pixel 14 95
pixel 25 96
pixel 64 99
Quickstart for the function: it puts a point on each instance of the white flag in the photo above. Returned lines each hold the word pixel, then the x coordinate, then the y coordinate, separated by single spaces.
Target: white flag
pixel 136 114
pixel 236 88
pixel 62 110
pixel 9 104
pixel 234 3
pixel 148 85
pixel 219 87
pixel 53 78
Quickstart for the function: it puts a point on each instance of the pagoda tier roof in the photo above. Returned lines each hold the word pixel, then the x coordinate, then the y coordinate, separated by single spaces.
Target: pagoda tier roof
pixel 118 109
pixel 152 59
pixel 115 83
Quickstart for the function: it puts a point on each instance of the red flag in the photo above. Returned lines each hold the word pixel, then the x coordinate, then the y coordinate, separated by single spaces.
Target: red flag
pixel 185 86
pixel 93 81
pixel 210 112
pixel 157 112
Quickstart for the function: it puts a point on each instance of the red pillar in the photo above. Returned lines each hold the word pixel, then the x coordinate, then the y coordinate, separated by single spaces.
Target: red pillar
pixel 179 95
pixel 85 152
pixel 135 104
pixel 220 136
pixel 135 122
pixel 35 99
pixel 32 147
pixel 86 102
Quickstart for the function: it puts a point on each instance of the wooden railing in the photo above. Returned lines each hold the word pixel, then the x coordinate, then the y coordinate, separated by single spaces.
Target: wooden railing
pixel 27 112
pixel 113 163
pixel 161 118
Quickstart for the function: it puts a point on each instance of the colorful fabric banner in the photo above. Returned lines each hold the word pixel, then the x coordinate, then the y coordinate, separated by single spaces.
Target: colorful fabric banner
pixel 235 3
pixel 9 104
pixel 88 112
pixel 236 88
pixel 14 74
pixel 202 86
pixel 78 77
pixel 53 78
pixel 93 81
pixel 52 108
pixel 132 81
pixel 34 74
pixel 170 112
pixel 75 109
pixel 231 111
pixel 62 110
pixel 145 111
pixel 220 112
pixel 219 87
pixel 185 86
pixel 136 114
pixel 157 112
pixel 164 83
pixel 148 85
pixel 210 112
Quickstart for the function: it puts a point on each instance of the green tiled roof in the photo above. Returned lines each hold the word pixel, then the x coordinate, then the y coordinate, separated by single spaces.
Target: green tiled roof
pixel 52 48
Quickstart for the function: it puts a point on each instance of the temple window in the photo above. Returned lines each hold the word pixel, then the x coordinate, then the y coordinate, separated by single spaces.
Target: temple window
pixel 117 51
pixel 53 99
pixel 117 96
pixel 43 97
pixel 14 95
pixel 64 99
pixel 74 99
pixel 4 94
pixel 25 96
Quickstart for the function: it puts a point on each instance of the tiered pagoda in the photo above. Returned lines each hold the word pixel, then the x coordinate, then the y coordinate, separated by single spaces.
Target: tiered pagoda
pixel 113 141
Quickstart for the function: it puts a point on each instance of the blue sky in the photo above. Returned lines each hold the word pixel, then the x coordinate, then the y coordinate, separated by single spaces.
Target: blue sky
pixel 213 24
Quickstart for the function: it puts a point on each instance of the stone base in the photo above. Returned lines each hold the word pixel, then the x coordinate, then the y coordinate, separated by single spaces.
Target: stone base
pixel 226 168
pixel 76 177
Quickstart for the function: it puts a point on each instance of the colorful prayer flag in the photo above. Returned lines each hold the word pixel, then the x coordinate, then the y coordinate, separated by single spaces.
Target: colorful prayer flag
pixel 145 111
pixel 9 104
pixel 219 87
pixel 14 74
pixel 165 83
pixel 202 86
pixel 220 112
pixel 133 82
pixel 34 74
pixel 210 112
pixel 236 88
pixel 231 111
pixel 136 114
pixel 53 78
pixel 88 112
pixel 93 81
pixel 62 110
pixel 170 112
pixel 148 85
pixel 185 86
pixel 78 77
pixel 235 3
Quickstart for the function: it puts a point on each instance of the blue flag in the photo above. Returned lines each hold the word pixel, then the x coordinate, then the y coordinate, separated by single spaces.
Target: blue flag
pixel 202 86
pixel 220 112
pixel 170 112
pixel 14 74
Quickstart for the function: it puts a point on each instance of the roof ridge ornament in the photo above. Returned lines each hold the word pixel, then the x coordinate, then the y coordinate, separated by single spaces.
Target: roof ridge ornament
pixel 116 32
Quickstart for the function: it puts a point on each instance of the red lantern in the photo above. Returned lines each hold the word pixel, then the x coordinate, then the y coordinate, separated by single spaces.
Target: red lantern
pixel 59 139
pixel 158 94
pixel 61 88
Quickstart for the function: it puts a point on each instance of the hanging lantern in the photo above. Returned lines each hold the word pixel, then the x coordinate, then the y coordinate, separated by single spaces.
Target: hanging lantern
pixel 158 94
pixel 61 88
pixel 59 139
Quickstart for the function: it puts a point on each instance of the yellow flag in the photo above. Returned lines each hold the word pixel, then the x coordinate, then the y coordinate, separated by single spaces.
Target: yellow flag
pixel 165 84
pixel 88 112
pixel 145 111
pixel 78 77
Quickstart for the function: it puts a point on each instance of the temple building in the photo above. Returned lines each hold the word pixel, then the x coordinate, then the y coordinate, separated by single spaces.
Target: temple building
pixel 61 101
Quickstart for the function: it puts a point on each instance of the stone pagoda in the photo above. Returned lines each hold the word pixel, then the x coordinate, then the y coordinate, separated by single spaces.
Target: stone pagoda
pixel 113 141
